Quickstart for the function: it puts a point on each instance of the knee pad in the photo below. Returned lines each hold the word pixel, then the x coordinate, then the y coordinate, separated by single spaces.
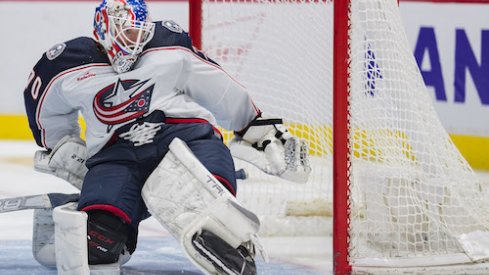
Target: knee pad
pixel 107 236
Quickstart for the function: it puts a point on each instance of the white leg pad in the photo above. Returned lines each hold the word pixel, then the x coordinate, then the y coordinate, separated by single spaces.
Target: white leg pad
pixel 71 240
pixel 43 237
pixel 185 198
pixel 71 244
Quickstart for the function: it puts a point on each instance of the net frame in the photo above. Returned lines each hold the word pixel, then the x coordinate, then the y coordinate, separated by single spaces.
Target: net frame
pixel 435 244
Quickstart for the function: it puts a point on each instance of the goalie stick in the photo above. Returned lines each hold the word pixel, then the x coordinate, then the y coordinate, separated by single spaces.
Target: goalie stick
pixel 41 201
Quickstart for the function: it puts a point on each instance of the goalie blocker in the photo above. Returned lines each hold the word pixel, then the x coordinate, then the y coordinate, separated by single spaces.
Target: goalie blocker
pixel 66 160
pixel 217 234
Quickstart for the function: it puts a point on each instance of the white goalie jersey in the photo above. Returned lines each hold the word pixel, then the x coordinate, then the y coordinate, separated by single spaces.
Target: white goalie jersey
pixel 171 76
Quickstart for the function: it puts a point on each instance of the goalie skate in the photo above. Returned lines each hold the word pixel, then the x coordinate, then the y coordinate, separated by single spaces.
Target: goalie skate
pixel 224 258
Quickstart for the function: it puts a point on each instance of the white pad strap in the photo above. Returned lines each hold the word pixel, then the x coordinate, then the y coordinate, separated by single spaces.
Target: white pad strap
pixel 185 198
pixel 71 244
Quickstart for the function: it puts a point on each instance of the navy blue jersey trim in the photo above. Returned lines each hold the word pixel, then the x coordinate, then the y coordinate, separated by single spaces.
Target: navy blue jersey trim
pixel 71 54
pixel 165 37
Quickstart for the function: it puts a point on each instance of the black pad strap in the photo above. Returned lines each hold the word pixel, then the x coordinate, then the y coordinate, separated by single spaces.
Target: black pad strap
pixel 263 145
pixel 263 122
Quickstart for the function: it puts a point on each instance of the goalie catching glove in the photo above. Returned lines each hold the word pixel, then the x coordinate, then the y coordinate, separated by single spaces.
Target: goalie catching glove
pixel 66 160
pixel 267 144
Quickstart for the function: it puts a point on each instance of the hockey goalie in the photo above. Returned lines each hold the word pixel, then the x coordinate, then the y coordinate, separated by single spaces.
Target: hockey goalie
pixel 151 102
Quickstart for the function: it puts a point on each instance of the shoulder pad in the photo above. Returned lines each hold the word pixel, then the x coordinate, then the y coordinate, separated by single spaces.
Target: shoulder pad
pixel 58 59
pixel 65 56
pixel 170 34
pixel 73 53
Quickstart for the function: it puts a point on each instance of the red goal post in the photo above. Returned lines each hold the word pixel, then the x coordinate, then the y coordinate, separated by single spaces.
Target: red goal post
pixel 341 155
pixel 195 22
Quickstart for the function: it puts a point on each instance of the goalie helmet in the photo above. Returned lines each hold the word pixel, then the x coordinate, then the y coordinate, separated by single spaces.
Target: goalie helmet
pixel 123 28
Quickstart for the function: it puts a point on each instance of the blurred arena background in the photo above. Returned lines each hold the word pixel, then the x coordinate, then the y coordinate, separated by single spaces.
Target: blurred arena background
pixel 452 52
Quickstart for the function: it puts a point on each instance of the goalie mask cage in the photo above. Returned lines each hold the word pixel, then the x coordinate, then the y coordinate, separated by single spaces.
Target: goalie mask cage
pixel 405 200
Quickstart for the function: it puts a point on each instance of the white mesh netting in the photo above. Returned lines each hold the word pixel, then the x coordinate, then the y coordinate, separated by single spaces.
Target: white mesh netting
pixel 272 48
pixel 412 194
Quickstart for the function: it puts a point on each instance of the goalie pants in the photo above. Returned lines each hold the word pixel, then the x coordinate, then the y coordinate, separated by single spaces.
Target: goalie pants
pixel 117 173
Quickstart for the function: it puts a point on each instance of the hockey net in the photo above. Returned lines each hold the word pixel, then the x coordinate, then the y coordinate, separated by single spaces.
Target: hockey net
pixel 260 47
pixel 412 200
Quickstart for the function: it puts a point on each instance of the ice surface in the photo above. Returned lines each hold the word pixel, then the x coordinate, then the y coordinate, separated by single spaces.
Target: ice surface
pixel 157 253
pixel 154 256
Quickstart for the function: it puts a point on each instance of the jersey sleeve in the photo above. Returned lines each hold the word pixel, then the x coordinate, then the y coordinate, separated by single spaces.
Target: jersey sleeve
pixel 210 86
pixel 206 82
pixel 170 34
pixel 50 116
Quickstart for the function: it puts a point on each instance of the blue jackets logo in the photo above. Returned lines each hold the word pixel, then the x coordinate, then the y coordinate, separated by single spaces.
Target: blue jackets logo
pixel 122 101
